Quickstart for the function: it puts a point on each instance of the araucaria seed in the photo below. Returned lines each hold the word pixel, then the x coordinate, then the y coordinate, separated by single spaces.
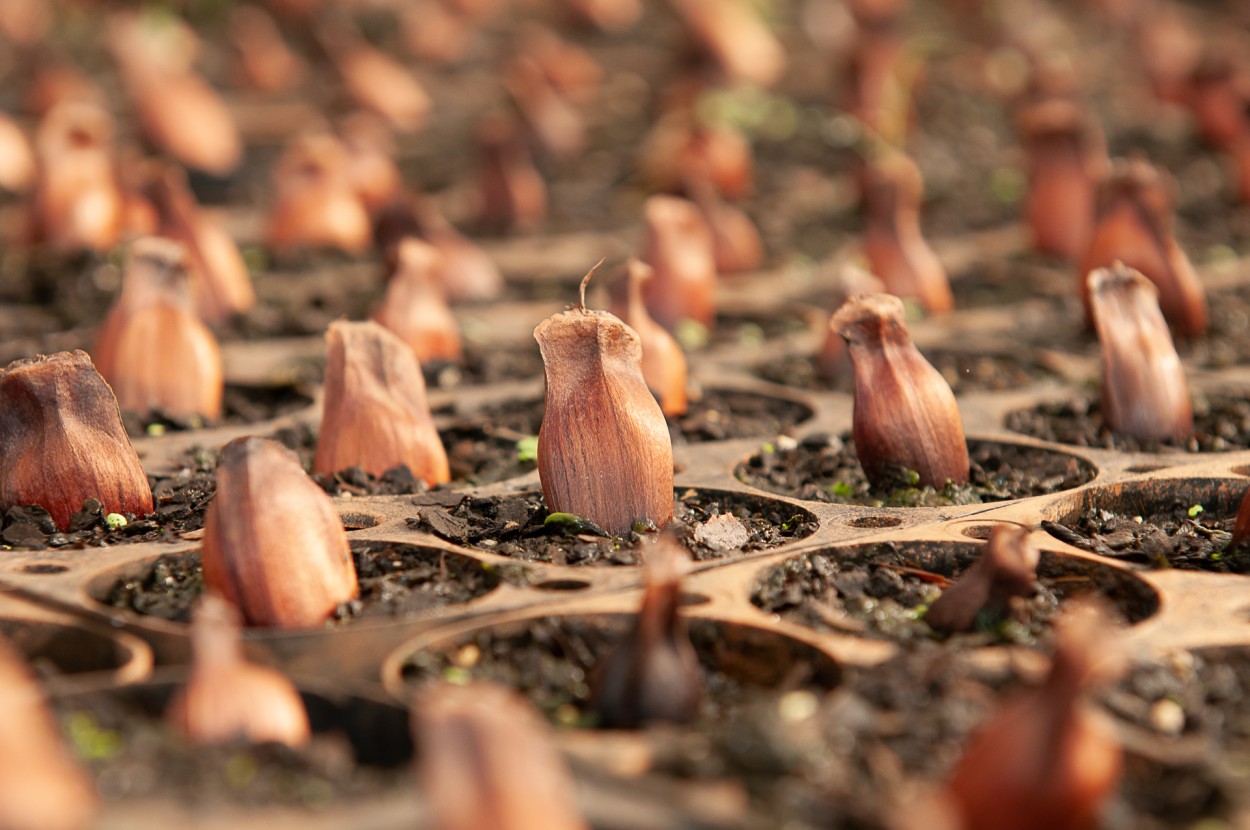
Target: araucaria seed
pixel 663 363
pixel 652 674
pixel 1144 392
pixel 1006 569
pixel 274 546
pixel 376 416
pixel 905 415
pixel 226 696
pixel 604 451
pixel 62 440
pixel 1134 226
pixel 153 350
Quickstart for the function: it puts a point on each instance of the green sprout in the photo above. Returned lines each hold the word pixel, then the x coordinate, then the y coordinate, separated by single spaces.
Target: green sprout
pixel 115 521
pixel 1195 511
pixel 527 449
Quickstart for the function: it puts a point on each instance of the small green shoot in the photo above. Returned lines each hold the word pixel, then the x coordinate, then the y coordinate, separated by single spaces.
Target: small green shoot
pixel 1195 511
pixel 115 521
pixel 527 449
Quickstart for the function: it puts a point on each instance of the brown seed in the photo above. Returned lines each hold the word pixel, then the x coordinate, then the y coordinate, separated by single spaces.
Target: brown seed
pixel 465 272
pixel 512 195
pixel 274 546
pixel 880 74
pixel 265 61
pixel 1241 527
pixel 153 351
pixel 833 360
pixel 376 415
pixel 17 156
pixel 1006 569
pixel 228 698
pixel 652 673
pixel 557 128
pixel 221 285
pixel 488 760
pixel 371 160
pixel 896 250
pixel 1045 760
pixel 1065 161
pixel 179 110
pixel 677 244
pixel 77 200
pixel 414 307
pixel 736 241
pixel 680 148
pixel 1134 226
pixel 41 788
pixel 62 440
pixel 376 80
pixel 608 15
pixel 1217 100
pixel 604 451
pixel 317 205
pixel 1144 392
pixel 905 414
pixel 663 362
pixel 732 33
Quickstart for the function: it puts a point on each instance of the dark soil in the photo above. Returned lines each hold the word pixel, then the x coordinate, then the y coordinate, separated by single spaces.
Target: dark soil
pixel 477 453
pixel 964 371
pixel 240 405
pixel 395 579
pixel 1221 423
pixel 360 750
pixel 180 502
pixel 810 755
pixel 552 660
pixel 484 365
pixel 715 415
pixel 712 524
pixel 1173 534
pixel 882 591
pixel 825 468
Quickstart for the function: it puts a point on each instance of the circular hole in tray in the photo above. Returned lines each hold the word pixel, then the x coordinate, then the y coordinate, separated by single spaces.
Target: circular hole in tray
pixel 980 532
pixel 360 749
pixel 354 520
pixel 875 521
pixel 44 568
pixel 61 648
pixel 1221 424
pixel 551 660
pixel 395 579
pixel 563 585
pixel 881 590
pixel 513 526
pixel 1161 523
pixel 825 468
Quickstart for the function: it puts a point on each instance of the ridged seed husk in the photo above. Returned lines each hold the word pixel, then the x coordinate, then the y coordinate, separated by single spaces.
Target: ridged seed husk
pixel 376 416
pixel 62 440
pixel 905 414
pixel 274 546
pixel 604 450
pixel 1144 391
